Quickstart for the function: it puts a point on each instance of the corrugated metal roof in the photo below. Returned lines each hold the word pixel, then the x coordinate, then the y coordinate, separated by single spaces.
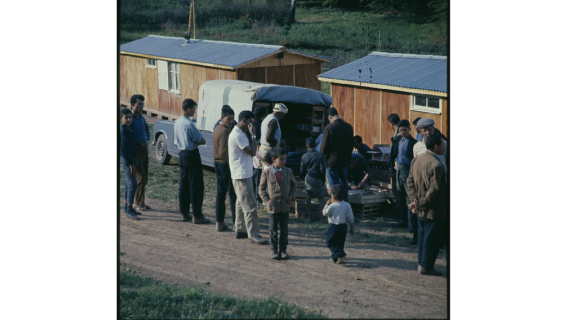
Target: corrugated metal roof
pixel 215 52
pixel 426 72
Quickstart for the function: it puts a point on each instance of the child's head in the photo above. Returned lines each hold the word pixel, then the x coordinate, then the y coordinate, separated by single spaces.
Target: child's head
pixel 126 116
pixel 310 143
pixel 337 192
pixel 278 156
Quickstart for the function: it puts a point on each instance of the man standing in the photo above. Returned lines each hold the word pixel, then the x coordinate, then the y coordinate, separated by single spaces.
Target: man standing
pixel 426 127
pixel 336 146
pixel 259 115
pixel 241 152
pixel 401 158
pixel 427 188
pixel 419 135
pixel 393 121
pixel 362 148
pixel 191 187
pixel 222 170
pixel 270 130
pixel 142 137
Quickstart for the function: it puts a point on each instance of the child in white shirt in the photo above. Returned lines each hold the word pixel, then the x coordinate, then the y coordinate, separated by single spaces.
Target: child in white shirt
pixel 339 213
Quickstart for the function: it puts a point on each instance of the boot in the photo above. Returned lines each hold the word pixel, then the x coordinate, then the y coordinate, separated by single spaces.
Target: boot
pixel 221 226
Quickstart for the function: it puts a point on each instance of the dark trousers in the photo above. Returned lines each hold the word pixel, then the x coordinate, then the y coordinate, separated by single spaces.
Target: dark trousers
pixel 255 182
pixel 402 199
pixel 141 175
pixel 335 239
pixel 430 234
pixel 191 187
pixel 129 183
pixel 224 184
pixel 275 219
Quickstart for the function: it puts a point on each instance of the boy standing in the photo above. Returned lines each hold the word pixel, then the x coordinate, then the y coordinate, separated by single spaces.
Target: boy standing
pixel 339 213
pixel 277 189
pixel 128 159
pixel 312 169
pixel 142 136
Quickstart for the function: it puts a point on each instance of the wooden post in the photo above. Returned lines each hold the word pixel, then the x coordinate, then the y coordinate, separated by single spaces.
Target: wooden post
pixel 193 15
pixel 190 17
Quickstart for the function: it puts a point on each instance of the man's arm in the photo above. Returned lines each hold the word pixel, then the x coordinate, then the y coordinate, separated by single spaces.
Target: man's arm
pixel 326 141
pixel 272 127
pixel 436 176
pixel 195 135
pixel 303 167
pixel 243 142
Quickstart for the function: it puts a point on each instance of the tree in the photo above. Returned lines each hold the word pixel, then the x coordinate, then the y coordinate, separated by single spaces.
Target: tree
pixel 292 15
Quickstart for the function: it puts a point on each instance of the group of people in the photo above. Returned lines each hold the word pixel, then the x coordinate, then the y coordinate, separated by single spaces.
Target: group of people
pixel 250 157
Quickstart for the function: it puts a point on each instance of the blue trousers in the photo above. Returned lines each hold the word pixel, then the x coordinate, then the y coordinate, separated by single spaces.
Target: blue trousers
pixel 430 234
pixel 338 175
pixel 335 239
pixel 191 186
pixel 129 183
pixel 275 219
pixel 224 185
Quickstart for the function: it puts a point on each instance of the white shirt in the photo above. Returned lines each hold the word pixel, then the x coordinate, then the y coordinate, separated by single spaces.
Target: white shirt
pixel 338 213
pixel 240 162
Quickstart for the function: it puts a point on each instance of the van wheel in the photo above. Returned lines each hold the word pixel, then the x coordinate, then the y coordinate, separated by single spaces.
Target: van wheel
pixel 162 154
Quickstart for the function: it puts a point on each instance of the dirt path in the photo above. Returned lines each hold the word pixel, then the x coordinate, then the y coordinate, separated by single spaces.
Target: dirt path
pixel 375 281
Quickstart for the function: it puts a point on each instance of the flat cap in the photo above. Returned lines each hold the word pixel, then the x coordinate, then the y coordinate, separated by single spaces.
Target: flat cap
pixel 425 122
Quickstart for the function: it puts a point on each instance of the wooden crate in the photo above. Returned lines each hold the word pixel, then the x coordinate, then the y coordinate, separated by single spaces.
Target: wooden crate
pixel 361 198
pixel 302 212
pixel 300 183
pixel 301 193
pixel 365 209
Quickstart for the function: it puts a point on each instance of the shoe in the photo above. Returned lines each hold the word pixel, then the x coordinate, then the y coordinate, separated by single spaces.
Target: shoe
pixel 274 255
pixel 221 226
pixel 340 259
pixel 241 235
pixel 143 207
pixel 419 268
pixel 131 211
pixel 284 255
pixel 200 220
pixel 412 242
pixel 185 217
pixel 432 272
pixel 258 240
pixel 332 260
pixel 399 224
pixel 132 216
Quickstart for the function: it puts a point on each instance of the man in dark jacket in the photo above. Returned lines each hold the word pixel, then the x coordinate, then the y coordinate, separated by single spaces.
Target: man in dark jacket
pixel 401 157
pixel 336 146
pixel 427 187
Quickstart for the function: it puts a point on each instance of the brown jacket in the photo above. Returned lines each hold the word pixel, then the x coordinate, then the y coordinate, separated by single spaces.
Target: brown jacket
pixel 275 195
pixel 221 143
pixel 427 183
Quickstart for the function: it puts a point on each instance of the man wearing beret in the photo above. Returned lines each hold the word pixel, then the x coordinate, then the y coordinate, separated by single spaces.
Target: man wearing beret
pixel 401 157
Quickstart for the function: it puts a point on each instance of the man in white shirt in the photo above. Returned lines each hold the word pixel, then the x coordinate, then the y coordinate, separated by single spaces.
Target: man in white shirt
pixel 241 151
pixel 187 137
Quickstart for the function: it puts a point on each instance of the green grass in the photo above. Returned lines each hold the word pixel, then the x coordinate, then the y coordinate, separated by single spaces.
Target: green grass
pixel 342 35
pixel 145 298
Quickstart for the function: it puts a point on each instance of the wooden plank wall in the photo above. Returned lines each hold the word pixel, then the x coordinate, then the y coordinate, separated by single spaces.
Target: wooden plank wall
pixel 227 75
pixel 175 104
pixel 343 101
pixel 252 74
pixel 283 75
pixel 367 123
pixel 393 102
pixel 124 97
pixel 136 79
pixel 212 74
pixel 288 60
pixel 164 101
pixel 152 102
pixel 306 76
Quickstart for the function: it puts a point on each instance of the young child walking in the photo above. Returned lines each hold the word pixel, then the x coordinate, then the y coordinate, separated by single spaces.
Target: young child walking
pixel 128 160
pixel 277 189
pixel 339 213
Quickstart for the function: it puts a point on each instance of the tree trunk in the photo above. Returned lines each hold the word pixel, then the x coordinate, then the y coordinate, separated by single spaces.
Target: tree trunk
pixel 291 17
pixel 248 6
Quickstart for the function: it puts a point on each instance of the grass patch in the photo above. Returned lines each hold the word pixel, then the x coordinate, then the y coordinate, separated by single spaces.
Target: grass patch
pixel 145 298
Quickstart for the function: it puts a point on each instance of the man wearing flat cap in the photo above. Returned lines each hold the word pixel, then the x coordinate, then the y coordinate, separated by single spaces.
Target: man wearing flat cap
pixel 270 133
pixel 426 127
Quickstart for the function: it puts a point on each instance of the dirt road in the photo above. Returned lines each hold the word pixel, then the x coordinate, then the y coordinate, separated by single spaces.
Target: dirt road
pixel 374 281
